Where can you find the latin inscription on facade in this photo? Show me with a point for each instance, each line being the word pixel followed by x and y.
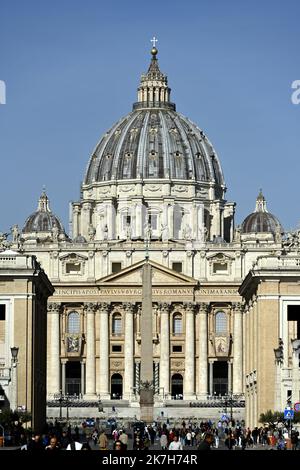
pixel 123 291
pixel 213 291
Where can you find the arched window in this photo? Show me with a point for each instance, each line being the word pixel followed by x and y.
pixel 73 322
pixel 221 322
pixel 117 324
pixel 177 324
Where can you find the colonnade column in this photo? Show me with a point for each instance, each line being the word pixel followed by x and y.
pixel 90 387
pixel 165 348
pixel 128 351
pixel 237 386
pixel 295 370
pixel 82 364
pixel 211 377
pixel 53 385
pixel 63 376
pixel 189 374
pixel 104 351
pixel 202 368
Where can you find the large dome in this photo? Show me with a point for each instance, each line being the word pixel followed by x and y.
pixel 154 141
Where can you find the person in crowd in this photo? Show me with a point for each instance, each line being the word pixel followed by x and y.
pixel 118 446
pixel 164 441
pixel 36 443
pixel 206 443
pixel 53 446
pixel 103 441
pixel 124 439
pixel 175 444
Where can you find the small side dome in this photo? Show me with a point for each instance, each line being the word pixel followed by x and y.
pixel 43 220
pixel 261 221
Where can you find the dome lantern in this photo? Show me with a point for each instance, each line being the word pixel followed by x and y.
pixel 153 91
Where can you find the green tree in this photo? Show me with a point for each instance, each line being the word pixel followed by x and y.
pixel 272 417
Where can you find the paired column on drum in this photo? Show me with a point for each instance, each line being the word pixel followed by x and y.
pixel 203 349
pixel 237 348
pixel 128 351
pixel 90 389
pixel 165 348
pixel 189 376
pixel 53 385
pixel 104 351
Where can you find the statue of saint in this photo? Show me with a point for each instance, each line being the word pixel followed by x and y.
pixel 238 234
pixel 105 232
pixel 278 237
pixel 187 232
pixel 15 233
pixel 55 232
pixel 148 232
pixel 164 232
pixel 91 232
pixel 3 241
pixel 128 231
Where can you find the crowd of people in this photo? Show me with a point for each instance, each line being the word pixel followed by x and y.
pixel 202 435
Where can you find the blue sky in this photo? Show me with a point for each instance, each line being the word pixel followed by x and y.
pixel 72 68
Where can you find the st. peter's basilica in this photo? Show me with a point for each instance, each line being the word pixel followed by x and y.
pixel 225 298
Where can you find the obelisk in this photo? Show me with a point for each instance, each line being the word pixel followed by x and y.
pixel 146 378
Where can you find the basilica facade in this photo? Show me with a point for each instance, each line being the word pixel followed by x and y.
pixel 154 189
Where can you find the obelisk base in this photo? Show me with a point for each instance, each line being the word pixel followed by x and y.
pixel 146 405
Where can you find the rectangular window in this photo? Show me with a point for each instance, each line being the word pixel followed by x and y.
pixel 116 348
pixel 177 267
pixel 2 323
pixel 126 220
pixel 73 268
pixel 116 267
pixel 177 348
pixel 219 268
pixel 2 312
pixel 153 221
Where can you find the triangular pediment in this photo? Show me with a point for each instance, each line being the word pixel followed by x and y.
pixel 161 276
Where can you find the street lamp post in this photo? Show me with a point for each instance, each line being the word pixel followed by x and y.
pixel 67 405
pixel 278 364
pixel 14 362
pixel 229 404
pixel 60 399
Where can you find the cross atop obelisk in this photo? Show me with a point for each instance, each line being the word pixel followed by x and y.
pixel 154 41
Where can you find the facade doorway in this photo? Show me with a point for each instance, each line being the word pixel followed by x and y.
pixel 294 316
pixel 177 387
pixel 73 378
pixel 116 389
pixel 220 378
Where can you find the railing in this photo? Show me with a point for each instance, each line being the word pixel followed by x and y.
pixel 274 262
pixel 154 104
pixel 219 402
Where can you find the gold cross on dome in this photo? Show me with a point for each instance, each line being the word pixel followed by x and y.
pixel 154 41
